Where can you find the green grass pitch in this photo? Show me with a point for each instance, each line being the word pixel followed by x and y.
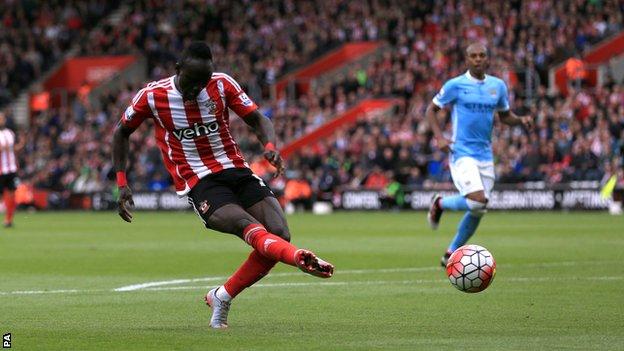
pixel 559 285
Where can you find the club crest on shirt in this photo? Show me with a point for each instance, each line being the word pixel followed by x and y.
pixel 203 207
pixel 492 92
pixel 211 106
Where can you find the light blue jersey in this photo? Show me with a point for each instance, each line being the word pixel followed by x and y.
pixel 474 103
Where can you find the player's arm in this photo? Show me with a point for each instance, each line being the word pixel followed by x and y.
pixel 431 115
pixel 243 106
pixel 506 115
pixel 264 130
pixel 445 96
pixel 510 118
pixel 131 119
pixel 121 149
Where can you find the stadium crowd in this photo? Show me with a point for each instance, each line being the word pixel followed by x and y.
pixel 577 137
pixel 258 41
pixel 34 35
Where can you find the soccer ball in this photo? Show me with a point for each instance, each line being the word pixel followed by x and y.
pixel 471 268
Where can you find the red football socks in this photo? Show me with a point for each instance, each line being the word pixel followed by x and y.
pixel 9 203
pixel 253 269
pixel 269 249
pixel 270 245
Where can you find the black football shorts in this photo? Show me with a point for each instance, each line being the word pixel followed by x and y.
pixel 230 186
pixel 8 181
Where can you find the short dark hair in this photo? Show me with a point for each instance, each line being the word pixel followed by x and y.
pixel 197 50
pixel 487 51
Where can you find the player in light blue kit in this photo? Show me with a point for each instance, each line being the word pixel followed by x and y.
pixel 474 97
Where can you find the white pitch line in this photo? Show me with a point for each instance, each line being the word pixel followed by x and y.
pixel 288 274
pixel 278 285
pixel 262 285
pixel 377 282
pixel 338 273
pixel 38 292
pixel 160 285
pixel 322 283
pixel 167 282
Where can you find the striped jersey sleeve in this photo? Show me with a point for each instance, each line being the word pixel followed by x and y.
pixel 138 111
pixel 236 98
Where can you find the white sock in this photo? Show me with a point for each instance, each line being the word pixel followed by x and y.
pixel 223 295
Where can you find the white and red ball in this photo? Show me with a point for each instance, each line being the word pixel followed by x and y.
pixel 471 268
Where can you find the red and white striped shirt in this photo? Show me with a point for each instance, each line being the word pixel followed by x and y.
pixel 8 164
pixel 193 136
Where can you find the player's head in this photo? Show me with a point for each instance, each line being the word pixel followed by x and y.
pixel 194 69
pixel 477 58
pixel 2 119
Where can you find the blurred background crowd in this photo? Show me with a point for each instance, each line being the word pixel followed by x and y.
pixel 577 137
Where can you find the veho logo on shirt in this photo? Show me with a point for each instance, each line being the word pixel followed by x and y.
pixel 197 130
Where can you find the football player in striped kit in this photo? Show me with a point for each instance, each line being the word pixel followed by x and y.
pixel 190 112
pixel 8 169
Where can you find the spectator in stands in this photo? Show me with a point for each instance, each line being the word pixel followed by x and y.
pixel 376 179
pixel 298 191
pixel 575 70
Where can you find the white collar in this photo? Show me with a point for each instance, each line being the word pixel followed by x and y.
pixel 474 79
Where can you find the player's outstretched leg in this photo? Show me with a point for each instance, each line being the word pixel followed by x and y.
pixel 228 219
pixel 234 219
pixel 269 248
pixel 276 248
pixel 269 212
pixel 256 266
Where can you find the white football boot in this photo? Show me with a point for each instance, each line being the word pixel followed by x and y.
pixel 220 309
